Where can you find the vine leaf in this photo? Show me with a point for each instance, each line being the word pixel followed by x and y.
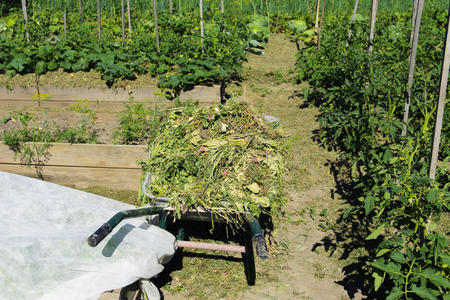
pixel 423 292
pixel 375 233
pixel 369 204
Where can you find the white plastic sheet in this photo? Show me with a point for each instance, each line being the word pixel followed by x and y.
pixel 43 248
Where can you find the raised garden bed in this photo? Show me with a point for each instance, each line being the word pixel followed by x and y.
pixel 84 165
pixel 102 99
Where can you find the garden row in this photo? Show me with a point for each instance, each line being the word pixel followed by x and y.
pixel 360 88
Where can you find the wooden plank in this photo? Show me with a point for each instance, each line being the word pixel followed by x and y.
pixel 87 155
pixel 115 178
pixel 145 94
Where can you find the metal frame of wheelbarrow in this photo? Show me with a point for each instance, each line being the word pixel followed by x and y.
pixel 251 230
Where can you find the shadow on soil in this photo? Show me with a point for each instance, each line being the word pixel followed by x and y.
pixel 350 231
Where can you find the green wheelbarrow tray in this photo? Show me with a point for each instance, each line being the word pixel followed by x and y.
pixel 250 230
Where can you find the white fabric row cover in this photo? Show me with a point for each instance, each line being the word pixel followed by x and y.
pixel 43 248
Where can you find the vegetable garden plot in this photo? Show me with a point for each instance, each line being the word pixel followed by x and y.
pixel 360 88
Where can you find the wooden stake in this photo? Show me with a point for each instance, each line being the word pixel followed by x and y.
pixel 156 25
pixel 373 19
pixel 202 34
pixel 80 4
pixel 413 21
pixel 65 21
pixel 316 26
pixel 222 6
pixel 99 18
pixel 412 65
pixel 25 16
pixel 129 17
pixel 320 25
pixel 170 6
pixel 352 20
pixel 441 103
pixel 123 19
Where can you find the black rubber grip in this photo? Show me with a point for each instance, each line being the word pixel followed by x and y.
pixel 261 246
pixel 99 235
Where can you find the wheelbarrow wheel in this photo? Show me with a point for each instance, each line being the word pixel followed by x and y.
pixel 130 292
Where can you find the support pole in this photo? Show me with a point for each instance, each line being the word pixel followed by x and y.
pixel 122 3
pixel 441 103
pixel 373 19
pixel 129 17
pixel 352 20
pixel 99 18
pixel 412 65
pixel 65 21
pixel 25 17
pixel 202 34
pixel 80 4
pixel 316 26
pixel 156 25
pixel 321 23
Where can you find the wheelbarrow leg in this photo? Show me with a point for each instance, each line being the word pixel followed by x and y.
pixel 163 220
pixel 248 257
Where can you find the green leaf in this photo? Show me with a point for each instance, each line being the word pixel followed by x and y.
pixel 378 280
pixel 382 252
pixel 41 68
pixel 433 195
pixel 395 294
pixel 375 233
pixel 445 258
pixel 398 257
pixel 423 292
pixel 369 204
pixel 437 279
pixel 18 63
pixel 390 267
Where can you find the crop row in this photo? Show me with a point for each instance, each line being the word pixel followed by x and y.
pixel 182 59
pixel 395 206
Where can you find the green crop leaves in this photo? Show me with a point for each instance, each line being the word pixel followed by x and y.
pixel 361 97
pixel 179 66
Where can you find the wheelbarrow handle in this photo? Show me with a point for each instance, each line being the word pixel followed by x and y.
pixel 100 234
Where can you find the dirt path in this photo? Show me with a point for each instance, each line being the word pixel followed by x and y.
pixel 303 265
pixel 303 268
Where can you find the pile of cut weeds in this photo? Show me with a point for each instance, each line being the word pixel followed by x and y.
pixel 224 159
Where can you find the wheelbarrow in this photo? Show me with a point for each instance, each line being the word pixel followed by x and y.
pixel 250 230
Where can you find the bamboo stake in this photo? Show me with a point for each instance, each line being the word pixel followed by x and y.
pixel 441 103
pixel 202 34
pixel 320 25
pixel 25 16
pixel 316 26
pixel 170 7
pixel 129 17
pixel 156 25
pixel 122 3
pixel 65 21
pixel 222 6
pixel 413 20
pixel 373 19
pixel 80 4
pixel 412 65
pixel 99 18
pixel 352 20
